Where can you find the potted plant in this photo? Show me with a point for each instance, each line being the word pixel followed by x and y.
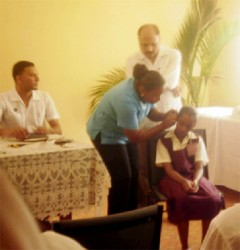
pixel 201 38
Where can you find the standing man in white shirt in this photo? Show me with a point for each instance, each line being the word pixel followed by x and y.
pixel 166 61
pixel 25 109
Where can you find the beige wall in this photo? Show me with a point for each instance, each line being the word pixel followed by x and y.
pixel 227 92
pixel 74 42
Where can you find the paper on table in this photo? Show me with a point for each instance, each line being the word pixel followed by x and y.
pixel 36 137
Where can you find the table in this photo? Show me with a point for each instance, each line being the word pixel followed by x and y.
pixel 57 180
pixel 223 145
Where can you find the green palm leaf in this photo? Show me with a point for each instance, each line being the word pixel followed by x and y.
pixel 213 43
pixel 201 15
pixel 107 81
pixel 201 38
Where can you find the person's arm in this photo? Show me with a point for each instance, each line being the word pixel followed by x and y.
pixel 19 229
pixel 197 176
pixel 163 159
pixel 176 91
pixel 54 128
pixel 201 159
pixel 52 116
pixel 136 136
pixel 168 120
pixel 172 72
pixel 18 133
pixel 173 174
pixel 156 116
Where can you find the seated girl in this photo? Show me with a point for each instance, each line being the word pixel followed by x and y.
pixel 190 195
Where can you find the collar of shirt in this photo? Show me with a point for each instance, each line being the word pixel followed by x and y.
pixel 16 97
pixel 162 52
pixel 176 143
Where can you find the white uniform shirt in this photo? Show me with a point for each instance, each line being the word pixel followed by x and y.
pixel 163 156
pixel 168 64
pixel 224 230
pixel 14 113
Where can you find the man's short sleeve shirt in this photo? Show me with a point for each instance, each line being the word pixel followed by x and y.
pixel 168 64
pixel 14 113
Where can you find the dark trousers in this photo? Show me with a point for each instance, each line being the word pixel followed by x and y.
pixel 121 161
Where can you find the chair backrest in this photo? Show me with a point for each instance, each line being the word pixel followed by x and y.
pixel 154 172
pixel 202 132
pixel 136 229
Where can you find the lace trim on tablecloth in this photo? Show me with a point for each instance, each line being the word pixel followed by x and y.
pixel 56 183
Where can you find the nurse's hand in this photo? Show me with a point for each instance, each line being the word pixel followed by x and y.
pixel 170 119
pixel 176 91
pixel 171 113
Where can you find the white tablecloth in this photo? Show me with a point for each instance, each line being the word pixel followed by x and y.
pixel 223 145
pixel 56 180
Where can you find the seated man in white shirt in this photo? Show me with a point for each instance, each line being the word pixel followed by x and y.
pixel 224 230
pixel 26 109
pixel 167 61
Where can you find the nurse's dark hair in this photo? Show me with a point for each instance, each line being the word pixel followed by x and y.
pixel 19 67
pixel 187 110
pixel 149 79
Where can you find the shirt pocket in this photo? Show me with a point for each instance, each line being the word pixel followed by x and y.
pixel 13 118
